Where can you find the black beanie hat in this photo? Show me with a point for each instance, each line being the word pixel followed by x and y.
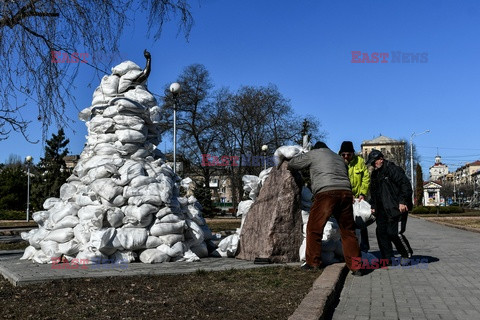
pixel 319 145
pixel 347 146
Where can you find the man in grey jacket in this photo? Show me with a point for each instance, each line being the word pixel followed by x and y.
pixel 332 196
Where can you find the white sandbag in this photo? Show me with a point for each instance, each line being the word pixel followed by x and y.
pixel 105 149
pixel 123 257
pixel 186 183
pixel 109 85
pixel 40 217
pixel 28 253
pixel 82 167
pixel 124 67
pixel 130 221
pixel 102 240
pixel 104 171
pixel 305 215
pixel 66 209
pixel 130 136
pixel 50 248
pixel 27 235
pixel 286 153
pixel 114 217
pixel 116 202
pixel 162 229
pixel 229 245
pixel 81 234
pixel 155 114
pixel 37 236
pixel 171 218
pixel 69 248
pixel 60 235
pixel 302 249
pixel 194 233
pixel 94 139
pixel 200 250
pixel 331 230
pixel 140 154
pixel 67 191
pixel 264 175
pixel 50 203
pixel 90 255
pixel 106 188
pixel 141 181
pixel 153 242
pixel 100 125
pixel 141 212
pixel 90 212
pixel 188 256
pixel 243 207
pixel 177 250
pixel 141 95
pixel 67 222
pixel 171 239
pixel 40 257
pixel 84 200
pixel 362 213
pixel 154 256
pixel 132 122
pixel 127 79
pixel 131 238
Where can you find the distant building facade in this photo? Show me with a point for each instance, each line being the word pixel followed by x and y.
pixel 438 170
pixel 393 150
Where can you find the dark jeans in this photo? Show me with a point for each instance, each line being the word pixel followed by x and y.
pixel 388 232
pixel 339 204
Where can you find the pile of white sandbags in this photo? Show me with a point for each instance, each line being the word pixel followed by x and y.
pixel 122 200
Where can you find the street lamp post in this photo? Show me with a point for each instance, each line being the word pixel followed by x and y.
pixel 175 90
pixel 411 160
pixel 28 160
pixel 264 149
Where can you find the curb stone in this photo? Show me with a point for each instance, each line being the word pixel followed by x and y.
pixel 317 303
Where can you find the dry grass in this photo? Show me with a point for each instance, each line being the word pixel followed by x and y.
pixel 470 222
pixel 224 224
pixel 265 293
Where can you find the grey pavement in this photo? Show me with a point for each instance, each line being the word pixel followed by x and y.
pixel 447 287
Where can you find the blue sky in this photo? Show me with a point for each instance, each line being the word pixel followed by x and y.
pixel 306 50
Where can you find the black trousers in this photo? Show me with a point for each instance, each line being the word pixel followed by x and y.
pixel 390 230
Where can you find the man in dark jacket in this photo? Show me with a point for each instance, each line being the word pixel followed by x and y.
pixel 391 194
pixel 333 196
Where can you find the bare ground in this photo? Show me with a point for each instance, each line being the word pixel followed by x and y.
pixel 265 293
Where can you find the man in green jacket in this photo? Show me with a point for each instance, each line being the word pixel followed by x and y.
pixel 360 181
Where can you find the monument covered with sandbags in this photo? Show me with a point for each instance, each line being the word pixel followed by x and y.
pixel 122 201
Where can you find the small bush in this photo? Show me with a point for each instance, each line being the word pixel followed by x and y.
pixel 433 210
pixel 13 215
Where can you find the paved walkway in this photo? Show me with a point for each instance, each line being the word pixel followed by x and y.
pixel 447 287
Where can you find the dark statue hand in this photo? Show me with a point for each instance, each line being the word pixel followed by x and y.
pixel 146 54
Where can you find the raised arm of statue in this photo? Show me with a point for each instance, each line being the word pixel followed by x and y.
pixel 146 72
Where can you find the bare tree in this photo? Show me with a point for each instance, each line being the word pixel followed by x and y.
pixel 34 32
pixel 197 117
